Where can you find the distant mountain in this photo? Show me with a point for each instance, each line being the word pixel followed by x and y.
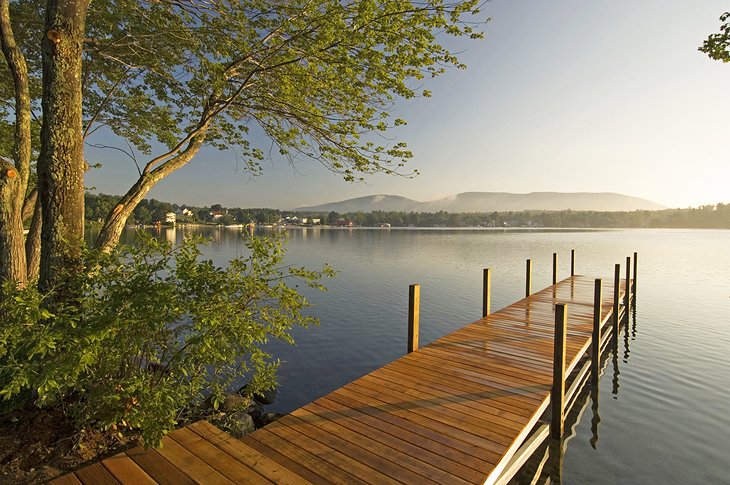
pixel 387 203
pixel 493 202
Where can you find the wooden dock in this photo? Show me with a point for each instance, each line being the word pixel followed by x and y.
pixel 468 408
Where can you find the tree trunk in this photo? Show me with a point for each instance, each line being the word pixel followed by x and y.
pixel 33 243
pixel 12 250
pixel 14 176
pixel 29 205
pixel 61 163
pixel 111 231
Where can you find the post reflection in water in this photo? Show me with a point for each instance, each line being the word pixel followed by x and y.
pixel 555 461
pixel 595 419
pixel 633 320
pixel 627 350
pixel 616 371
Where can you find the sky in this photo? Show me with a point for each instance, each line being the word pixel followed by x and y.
pixel 561 95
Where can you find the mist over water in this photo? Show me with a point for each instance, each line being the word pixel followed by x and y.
pixel 663 402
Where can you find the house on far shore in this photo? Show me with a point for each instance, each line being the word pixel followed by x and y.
pixel 215 215
pixel 170 218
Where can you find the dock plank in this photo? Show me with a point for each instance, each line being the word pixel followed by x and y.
pixel 157 467
pixel 68 479
pixel 263 464
pixel 308 453
pixel 393 456
pixel 192 466
pixel 96 474
pixel 411 443
pixel 125 470
pixel 228 466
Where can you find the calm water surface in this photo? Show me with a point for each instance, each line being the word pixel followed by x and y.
pixel 664 406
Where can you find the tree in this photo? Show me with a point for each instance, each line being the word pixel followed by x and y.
pixel 717 46
pixel 204 215
pixel 318 77
pixel 126 336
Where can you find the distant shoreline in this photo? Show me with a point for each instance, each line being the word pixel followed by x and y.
pixel 715 216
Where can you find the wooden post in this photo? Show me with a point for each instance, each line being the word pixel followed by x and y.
pixel 528 278
pixel 414 303
pixel 616 290
pixel 596 337
pixel 555 268
pixel 572 262
pixel 557 395
pixel 627 294
pixel 487 295
pixel 634 292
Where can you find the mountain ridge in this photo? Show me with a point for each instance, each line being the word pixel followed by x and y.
pixel 492 202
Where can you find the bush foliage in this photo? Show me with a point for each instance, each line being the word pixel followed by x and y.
pixel 155 330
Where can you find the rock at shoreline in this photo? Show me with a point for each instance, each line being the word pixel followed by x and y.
pixel 265 397
pixel 268 418
pixel 240 424
pixel 236 402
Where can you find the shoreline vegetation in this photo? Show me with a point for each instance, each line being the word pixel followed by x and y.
pixel 152 212
pixel 160 337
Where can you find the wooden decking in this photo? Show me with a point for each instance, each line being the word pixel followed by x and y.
pixel 455 411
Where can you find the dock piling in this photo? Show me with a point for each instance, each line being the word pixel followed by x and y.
pixel 487 293
pixel 572 262
pixel 596 337
pixel 616 290
pixel 414 303
pixel 557 394
pixel 555 268
pixel 528 278
pixel 634 285
pixel 627 292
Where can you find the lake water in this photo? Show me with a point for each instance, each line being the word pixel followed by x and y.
pixel 664 406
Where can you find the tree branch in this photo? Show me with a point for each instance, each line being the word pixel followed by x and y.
pixel 117 218
pixel 19 70
pixel 105 101
pixel 29 204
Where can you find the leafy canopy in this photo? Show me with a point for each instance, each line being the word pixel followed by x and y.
pixel 717 46
pixel 319 77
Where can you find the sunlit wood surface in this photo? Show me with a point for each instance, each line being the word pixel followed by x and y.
pixel 452 412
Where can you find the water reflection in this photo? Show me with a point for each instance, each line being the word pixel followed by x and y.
pixel 614 363
pixel 633 320
pixel 596 418
pixel 627 350
pixel 546 465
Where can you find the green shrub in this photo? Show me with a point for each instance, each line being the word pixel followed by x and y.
pixel 153 330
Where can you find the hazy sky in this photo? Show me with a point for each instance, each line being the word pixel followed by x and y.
pixel 561 95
